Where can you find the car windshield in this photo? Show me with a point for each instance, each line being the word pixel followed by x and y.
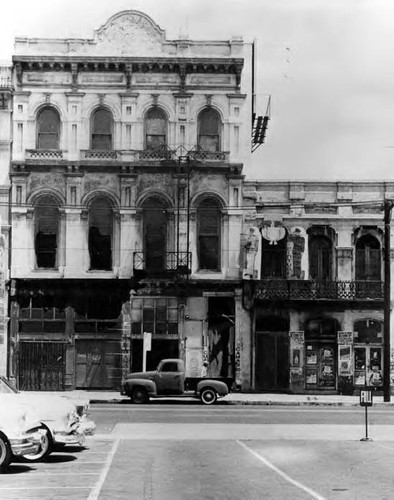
pixel 6 387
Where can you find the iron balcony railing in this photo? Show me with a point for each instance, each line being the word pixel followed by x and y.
pixel 317 290
pixel 167 262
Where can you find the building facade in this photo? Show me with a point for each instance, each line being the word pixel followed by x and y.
pixel 317 302
pixel 126 177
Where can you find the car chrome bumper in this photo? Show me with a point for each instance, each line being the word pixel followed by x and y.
pixel 74 437
pixel 27 444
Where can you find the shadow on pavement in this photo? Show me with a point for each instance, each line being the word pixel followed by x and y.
pixel 18 469
pixel 58 458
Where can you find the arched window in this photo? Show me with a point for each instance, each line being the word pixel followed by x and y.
pixel 208 234
pixel 46 214
pixel 209 130
pixel 102 129
pixel 320 257
pixel 100 234
pixel 155 234
pixel 48 129
pixel 155 129
pixel 368 258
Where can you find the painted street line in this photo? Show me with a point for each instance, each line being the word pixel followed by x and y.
pixel 94 494
pixel 282 474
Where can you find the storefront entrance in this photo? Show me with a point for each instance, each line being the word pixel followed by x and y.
pixel 321 354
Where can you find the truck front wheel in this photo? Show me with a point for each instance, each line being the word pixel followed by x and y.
pixel 208 396
pixel 139 396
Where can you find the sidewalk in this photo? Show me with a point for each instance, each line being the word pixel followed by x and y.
pixel 234 398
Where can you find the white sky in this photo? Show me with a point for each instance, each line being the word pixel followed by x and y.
pixel 332 92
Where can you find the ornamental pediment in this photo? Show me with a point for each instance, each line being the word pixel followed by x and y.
pixel 129 33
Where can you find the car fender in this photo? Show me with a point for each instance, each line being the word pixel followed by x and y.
pixel 219 386
pixel 149 385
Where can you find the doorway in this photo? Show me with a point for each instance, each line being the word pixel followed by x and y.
pixel 272 361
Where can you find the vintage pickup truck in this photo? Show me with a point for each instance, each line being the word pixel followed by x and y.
pixel 169 380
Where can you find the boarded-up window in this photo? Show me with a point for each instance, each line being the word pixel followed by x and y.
pixel 100 234
pixel 155 234
pixel 320 258
pixel 155 129
pixel 46 231
pixel 209 127
pixel 368 258
pixel 273 259
pixel 48 129
pixel 102 129
pixel 208 227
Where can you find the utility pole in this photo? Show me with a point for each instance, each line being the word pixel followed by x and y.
pixel 388 206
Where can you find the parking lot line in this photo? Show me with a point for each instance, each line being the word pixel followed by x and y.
pixel 285 476
pixel 94 494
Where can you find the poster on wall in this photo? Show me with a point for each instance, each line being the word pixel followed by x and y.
pixel 345 360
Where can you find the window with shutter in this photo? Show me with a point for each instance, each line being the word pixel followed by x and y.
pixel 102 129
pixel 46 232
pixel 368 258
pixel 100 234
pixel 209 226
pixel 155 129
pixel 320 258
pixel 48 129
pixel 209 128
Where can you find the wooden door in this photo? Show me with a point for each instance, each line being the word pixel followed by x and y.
pixel 272 361
pixel 97 364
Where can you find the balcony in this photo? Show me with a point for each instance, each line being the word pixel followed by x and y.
pixel 318 290
pixel 45 154
pixel 160 154
pixel 162 264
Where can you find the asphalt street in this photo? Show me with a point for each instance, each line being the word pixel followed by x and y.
pixel 171 452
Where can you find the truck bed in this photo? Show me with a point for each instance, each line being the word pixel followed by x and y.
pixel 191 382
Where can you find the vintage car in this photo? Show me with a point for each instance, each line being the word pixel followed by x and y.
pixel 65 421
pixel 20 434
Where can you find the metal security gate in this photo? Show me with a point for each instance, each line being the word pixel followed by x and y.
pixel 41 366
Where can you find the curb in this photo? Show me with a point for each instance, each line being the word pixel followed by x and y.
pixel 258 403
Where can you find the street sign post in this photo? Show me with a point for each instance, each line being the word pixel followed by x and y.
pixel 366 400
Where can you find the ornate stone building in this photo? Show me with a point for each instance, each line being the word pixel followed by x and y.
pixel 126 204
pixel 316 303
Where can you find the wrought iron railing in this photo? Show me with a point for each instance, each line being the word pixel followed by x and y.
pixel 316 290
pixel 45 154
pixel 176 262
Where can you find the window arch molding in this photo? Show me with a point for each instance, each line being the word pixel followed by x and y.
pixel 199 197
pixel 155 193
pixel 112 197
pixel 210 129
pixel 48 119
pixel 102 130
pixel 156 127
pixel 33 198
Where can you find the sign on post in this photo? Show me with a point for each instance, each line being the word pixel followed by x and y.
pixel 366 397
pixel 147 347
pixel 366 400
